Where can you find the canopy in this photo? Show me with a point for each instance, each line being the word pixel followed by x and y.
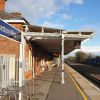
pixel 52 41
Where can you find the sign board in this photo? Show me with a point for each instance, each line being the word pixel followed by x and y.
pixel 9 31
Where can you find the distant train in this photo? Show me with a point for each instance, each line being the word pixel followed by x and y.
pixel 92 61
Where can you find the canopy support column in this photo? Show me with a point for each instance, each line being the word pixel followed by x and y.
pixel 21 63
pixel 62 54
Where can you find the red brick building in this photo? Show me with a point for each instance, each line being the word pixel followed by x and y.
pixel 35 55
pixel 38 54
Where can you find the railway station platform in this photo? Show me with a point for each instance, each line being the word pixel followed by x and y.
pixel 48 86
pixel 88 90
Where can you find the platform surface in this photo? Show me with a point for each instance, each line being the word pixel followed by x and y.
pixel 48 86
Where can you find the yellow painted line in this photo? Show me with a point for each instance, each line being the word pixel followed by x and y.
pixel 77 86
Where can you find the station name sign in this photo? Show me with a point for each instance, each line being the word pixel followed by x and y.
pixel 9 31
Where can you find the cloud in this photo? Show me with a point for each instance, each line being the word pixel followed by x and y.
pixel 96 35
pixel 33 10
pixel 93 27
pixel 52 25
pixel 94 50
pixel 90 48
pixel 73 1
pixel 65 16
pixel 86 40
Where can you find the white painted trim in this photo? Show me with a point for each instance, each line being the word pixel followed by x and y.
pixel 13 21
pixel 10 38
pixel 62 62
pixel 39 35
pixel 66 31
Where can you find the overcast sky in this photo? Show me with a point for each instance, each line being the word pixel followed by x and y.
pixel 65 14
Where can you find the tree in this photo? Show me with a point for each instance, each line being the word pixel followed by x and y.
pixel 80 56
pixel 70 59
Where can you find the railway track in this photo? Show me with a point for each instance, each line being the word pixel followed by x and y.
pixel 94 80
pixel 90 77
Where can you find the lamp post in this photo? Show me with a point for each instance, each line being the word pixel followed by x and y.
pixel 62 59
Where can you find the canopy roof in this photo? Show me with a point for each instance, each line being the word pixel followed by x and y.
pixel 50 38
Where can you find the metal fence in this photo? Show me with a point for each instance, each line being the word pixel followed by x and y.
pixel 7 69
pixel 11 92
pixel 9 76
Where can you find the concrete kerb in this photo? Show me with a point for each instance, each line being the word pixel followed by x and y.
pixel 85 96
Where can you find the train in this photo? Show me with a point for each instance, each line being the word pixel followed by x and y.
pixel 95 61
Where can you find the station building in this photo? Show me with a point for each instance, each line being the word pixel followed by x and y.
pixel 10 48
pixel 41 45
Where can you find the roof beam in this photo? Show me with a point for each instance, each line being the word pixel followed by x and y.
pixel 69 35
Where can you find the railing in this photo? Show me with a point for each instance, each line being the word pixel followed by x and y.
pixel 9 86
pixel 11 92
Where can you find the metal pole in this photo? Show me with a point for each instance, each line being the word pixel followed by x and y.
pixel 21 69
pixel 62 54
pixel 33 66
pixel 23 57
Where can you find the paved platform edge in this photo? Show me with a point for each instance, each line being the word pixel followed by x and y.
pixel 88 90
pixel 81 91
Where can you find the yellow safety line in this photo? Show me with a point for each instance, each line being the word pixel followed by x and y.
pixel 78 88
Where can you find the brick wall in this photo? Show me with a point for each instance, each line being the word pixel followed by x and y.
pixel 19 26
pixel 42 59
pixel 28 75
pixel 8 46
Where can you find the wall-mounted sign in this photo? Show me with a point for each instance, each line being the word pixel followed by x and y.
pixel 9 31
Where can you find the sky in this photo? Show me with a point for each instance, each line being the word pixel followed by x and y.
pixel 63 14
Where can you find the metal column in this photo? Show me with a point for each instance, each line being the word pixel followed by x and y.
pixel 21 68
pixel 62 57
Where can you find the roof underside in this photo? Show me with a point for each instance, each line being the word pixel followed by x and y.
pixel 52 41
